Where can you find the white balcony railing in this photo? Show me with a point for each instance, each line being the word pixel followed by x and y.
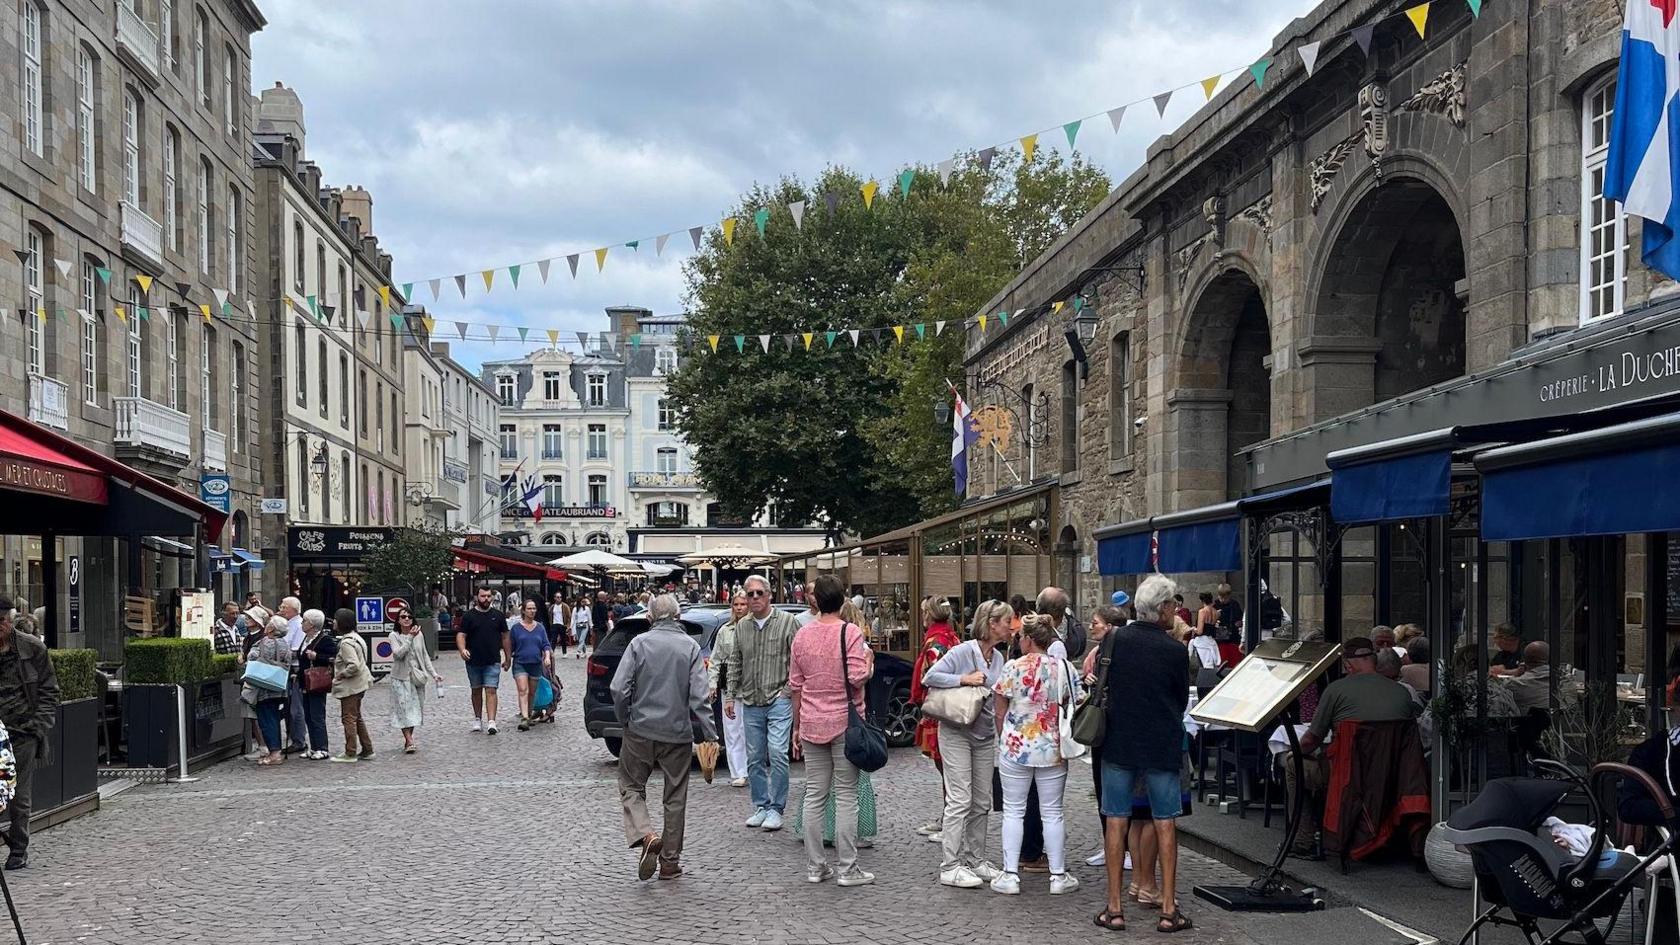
pixel 215 450
pixel 141 234
pixel 49 402
pixel 142 424
pixel 138 43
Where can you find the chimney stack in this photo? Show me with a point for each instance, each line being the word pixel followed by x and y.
pixel 281 111
pixel 356 203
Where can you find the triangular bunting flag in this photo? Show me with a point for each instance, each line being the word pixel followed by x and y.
pixel 493 330
pixel 830 335
pixel 1208 85
pixel 251 307
pixel 1029 146
pixel 985 157
pixel 713 341
pixel 797 209
pixel 1362 36
pixel 764 342
pixel 1114 116
pixel 659 244
pixel 63 267
pixel 524 333
pixel 122 313
pixel 601 258
pixel 728 227
pixel 362 317
pixel 221 299
pixel 921 329
pixel 635 245
pixel 740 344
pixel 868 191
pixel 1072 129
pixel 103 274
pixel 938 329
pixel 1475 8
pixel 831 199
pixel 1161 103
pixel 434 284
pixel 408 291
pixel 1309 56
pixel 694 235
pixel 788 340
pixel 554 338
pixel 1258 71
pixel 396 320
pixel 1419 15
pixel 898 332
pixel 40 313
pixel 635 339
pixel 905 178
pixel 808 336
pixel 854 333
pixel 1003 319
pixel 429 322
pixel 572 261
pixel 1056 307
pixel 761 219
pixel 385 295
pixel 1078 303
pixel 461 285
pixel 203 308
pixel 461 329
pixel 489 276
pixel 542 270
pixel 145 283
pixel 982 324
pixel 513 275
pixel 314 308
pixel 583 340
pixel 609 341
pixel 945 168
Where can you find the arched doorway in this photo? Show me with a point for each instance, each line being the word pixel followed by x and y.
pixel 1225 373
pixel 1394 279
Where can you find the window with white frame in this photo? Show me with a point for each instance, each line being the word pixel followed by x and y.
pixel 509 436
pixel 379 414
pixel 236 393
pixel 1119 396
pixel 667 415
pixel 131 147
pixel 551 441
pixel 597 490
pixel 201 56
pixel 34 286
pixel 230 102
pixel 551 385
pixel 361 404
pixel 172 359
pixel 88 148
pixel 597 441
pixel 553 492
pixel 90 287
pixel 1604 231
pixel 666 458
pixel 297 254
pixel 300 343
pixel 207 379
pixel 344 390
pixel 233 259
pixel 597 387
pixel 664 359
pixel 505 389
pixel 135 361
pixel 172 188
pixel 33 91
pixel 323 377
pixel 166 35
pixel 90 334
pixel 204 254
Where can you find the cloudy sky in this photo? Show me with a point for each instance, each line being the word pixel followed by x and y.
pixel 499 132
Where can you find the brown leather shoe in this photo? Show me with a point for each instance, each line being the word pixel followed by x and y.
pixel 670 870
pixel 1040 865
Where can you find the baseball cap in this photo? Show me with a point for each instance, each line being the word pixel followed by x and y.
pixel 1356 647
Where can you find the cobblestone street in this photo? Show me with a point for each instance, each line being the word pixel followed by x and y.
pixel 515 838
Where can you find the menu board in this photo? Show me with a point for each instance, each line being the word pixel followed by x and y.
pixel 1253 694
pixel 198 610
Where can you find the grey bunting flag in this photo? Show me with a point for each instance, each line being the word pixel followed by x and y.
pixel 764 342
pixel 832 201
pixel 1309 56
pixel 251 307
pixel 461 284
pixel 435 283
pixel 462 328
pixel 1362 36
pixel 572 261
pixel 985 157
pixel 1114 116
pixel 492 329
pixel 938 329
pixel 945 168
pixel 362 316
pixel 583 340
pixel 788 340
pixel 694 234
pixel 659 244
pixel 607 341
pixel 854 333
pixel 797 208
pixel 64 268
pixel 1161 103
pixel 542 270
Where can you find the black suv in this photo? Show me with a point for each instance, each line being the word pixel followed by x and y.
pixel 600 719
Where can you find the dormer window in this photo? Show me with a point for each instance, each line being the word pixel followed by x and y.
pixel 505 388
pixel 597 387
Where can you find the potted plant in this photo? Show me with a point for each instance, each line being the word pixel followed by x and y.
pixel 152 669
pixel 70 773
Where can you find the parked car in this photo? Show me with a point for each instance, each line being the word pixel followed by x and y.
pixel 600 719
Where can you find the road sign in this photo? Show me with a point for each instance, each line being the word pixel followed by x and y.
pixel 381 656
pixel 370 610
pixel 216 491
pixel 396 603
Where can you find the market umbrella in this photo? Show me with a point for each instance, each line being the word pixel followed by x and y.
pixel 727 556
pixel 595 559
pixel 656 570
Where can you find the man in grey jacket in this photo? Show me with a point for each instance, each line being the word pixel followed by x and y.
pixel 659 693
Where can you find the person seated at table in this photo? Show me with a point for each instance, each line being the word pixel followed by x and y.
pixel 1382 638
pixel 1531 685
pixel 1506 658
pixel 1414 668
pixel 1361 695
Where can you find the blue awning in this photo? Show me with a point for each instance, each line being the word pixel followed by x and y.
pixel 250 561
pixel 1616 481
pixel 1124 554
pixel 1214 545
pixel 1417 485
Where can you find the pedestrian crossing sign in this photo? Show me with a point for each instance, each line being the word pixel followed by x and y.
pixel 370 610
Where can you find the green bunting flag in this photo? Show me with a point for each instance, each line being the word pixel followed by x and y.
pixel 408 289
pixel 104 275
pixel 1072 129
pixel 145 313
pixel 1003 317
pixel 634 245
pixel 921 329
pixel 1078 303
pixel 396 320
pixel 635 339
pixel 740 343
pixel 905 179
pixel 830 336
pixel 513 274
pixel 314 309
pixel 523 332
pixel 761 217
pixel 1258 70
pixel 1475 8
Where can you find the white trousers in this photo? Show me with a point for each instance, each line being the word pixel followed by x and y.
pixel 735 743
pixel 1017 782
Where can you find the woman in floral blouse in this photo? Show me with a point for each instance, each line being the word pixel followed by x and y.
pixel 1033 691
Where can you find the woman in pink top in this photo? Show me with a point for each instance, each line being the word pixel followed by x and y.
pixel 821 685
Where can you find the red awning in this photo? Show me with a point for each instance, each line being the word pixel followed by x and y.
pixel 480 561
pixel 29 465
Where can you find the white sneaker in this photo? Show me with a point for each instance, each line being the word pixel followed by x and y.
pixel 938 836
pixel 757 819
pixel 772 821
pixel 1127 864
pixel 856 877
pixel 819 874
pixel 930 828
pixel 1099 858
pixel 490 727
pixel 738 782
pixel 985 871
pixel 1007 884
pixel 962 878
pixel 477 726
pixel 1063 883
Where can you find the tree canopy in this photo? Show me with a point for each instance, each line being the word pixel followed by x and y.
pixel 835 434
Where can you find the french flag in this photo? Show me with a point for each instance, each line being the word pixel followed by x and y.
pixel 533 498
pixel 1642 173
pixel 963 436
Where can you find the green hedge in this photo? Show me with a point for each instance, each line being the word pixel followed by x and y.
pixel 75 672
pixel 223 665
pixel 168 660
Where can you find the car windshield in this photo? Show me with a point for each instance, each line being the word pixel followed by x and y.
pixel 624 630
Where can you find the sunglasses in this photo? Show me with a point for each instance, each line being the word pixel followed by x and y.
pixel 757 593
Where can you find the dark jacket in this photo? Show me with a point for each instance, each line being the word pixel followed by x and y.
pixel 1656 757
pixel 325 647
pixel 37 705
pixel 1379 787
pixel 1146 698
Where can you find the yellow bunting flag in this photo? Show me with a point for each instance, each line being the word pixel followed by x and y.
pixel 1209 84
pixel 713 340
pixel 385 295
pixel 868 191
pixel 205 308
pixel 554 337
pixel 145 284
pixel 41 314
pixel 982 324
pixel 1056 307
pixel 729 231
pixel 1029 146
pixel 601 259
pixel 429 322
pixel 122 313
pixel 898 330
pixel 808 336
pixel 489 277
pixel 1419 15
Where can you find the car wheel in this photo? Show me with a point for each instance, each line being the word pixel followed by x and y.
pixel 900 723
pixel 614 745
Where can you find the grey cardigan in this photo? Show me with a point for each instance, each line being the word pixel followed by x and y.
pixel 410 660
pixel 959 661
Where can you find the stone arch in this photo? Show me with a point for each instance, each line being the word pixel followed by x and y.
pixel 1388 291
pixel 1221 400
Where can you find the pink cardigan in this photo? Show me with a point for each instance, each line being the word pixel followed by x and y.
pixel 814 675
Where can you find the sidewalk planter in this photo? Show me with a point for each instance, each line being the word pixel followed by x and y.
pixel 69 778
pixel 151 717
pixel 1449 866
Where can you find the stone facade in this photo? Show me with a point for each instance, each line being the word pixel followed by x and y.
pixel 127 150
pixel 1388 224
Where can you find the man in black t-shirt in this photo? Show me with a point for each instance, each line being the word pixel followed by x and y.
pixel 598 614
pixel 482 638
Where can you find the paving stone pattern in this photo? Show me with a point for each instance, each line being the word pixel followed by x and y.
pixel 516 838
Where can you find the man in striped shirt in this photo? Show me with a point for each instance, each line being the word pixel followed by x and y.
pixel 757 686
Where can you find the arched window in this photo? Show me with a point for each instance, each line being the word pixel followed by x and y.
pixel 172 358
pixel 303 475
pixel 300 343
pixel 344 488
pixel 1119 397
pixel 230 100
pixel 90 333
pixel 172 187
pixel 87 69
pixel 324 373
pixel 235 260
pixel 599 540
pixel 1069 431
pixel 236 397
pixel 297 255
pixel 134 133
pixel 34 287
pixel 205 255
pixel 201 56
pixel 1604 231
pixel 34 91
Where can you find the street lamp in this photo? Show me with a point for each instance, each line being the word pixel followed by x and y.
pixel 318 464
pixel 419 493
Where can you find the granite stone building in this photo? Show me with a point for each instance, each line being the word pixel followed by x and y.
pixel 126 213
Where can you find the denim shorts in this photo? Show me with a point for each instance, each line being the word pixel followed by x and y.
pixel 527 669
pixel 1161 787
pixel 484 677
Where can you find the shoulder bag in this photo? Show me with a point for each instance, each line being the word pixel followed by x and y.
pixel 866 744
pixel 1090 718
pixel 1070 746
pixel 314 680
pixel 267 676
pixel 959 705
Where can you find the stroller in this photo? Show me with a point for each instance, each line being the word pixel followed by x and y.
pixel 1527 879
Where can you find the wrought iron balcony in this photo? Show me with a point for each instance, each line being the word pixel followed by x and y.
pixel 142 236
pixel 138 44
pixel 153 430
pixel 49 402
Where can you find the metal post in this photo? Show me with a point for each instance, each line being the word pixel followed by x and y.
pixel 181 734
pixel 49 578
pixel 1656 630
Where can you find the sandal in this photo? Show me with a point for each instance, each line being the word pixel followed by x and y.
pixel 1173 922
pixel 1147 899
pixel 1112 921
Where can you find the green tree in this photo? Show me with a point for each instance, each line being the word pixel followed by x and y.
pixel 845 436
pixel 414 559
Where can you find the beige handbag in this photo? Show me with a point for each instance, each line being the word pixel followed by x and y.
pixel 959 705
